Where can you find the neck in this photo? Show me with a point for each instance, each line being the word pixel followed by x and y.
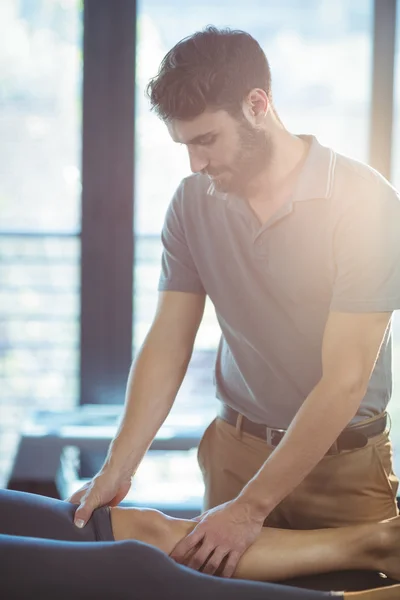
pixel 288 156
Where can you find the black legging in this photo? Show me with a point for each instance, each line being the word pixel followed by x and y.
pixel 43 555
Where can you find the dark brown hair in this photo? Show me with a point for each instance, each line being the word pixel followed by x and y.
pixel 213 68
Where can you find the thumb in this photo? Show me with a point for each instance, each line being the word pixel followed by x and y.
pixel 200 517
pixel 84 511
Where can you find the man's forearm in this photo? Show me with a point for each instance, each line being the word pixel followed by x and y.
pixel 319 421
pixel 154 380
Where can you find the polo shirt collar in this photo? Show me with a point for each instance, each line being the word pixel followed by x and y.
pixel 315 179
pixel 317 175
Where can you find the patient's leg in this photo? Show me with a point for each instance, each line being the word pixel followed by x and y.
pixel 32 515
pixel 275 555
pixel 100 570
pixel 36 568
pixel 280 554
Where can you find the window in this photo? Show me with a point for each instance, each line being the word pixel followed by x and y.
pixel 317 89
pixel 40 138
pixel 321 59
pixel 394 406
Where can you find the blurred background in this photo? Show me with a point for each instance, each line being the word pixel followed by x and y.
pixel 86 175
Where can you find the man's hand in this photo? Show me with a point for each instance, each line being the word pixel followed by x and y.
pixel 106 488
pixel 222 536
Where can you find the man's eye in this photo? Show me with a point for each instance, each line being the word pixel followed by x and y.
pixel 208 141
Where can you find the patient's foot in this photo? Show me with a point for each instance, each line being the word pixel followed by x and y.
pixel 386 550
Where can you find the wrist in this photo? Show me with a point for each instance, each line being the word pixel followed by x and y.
pixel 117 467
pixel 122 458
pixel 259 503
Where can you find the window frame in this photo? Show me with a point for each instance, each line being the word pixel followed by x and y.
pixel 107 248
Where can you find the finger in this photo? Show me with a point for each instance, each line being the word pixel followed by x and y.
pixel 85 510
pixel 201 556
pixel 214 561
pixel 200 517
pixel 186 545
pixel 189 555
pixel 231 564
pixel 75 498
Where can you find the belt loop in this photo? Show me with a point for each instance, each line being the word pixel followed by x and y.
pixel 390 423
pixel 239 426
pixel 334 449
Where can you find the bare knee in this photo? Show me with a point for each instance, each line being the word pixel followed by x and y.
pixel 145 525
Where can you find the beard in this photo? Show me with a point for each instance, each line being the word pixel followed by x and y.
pixel 253 157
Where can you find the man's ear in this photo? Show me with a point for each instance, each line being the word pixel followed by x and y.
pixel 255 106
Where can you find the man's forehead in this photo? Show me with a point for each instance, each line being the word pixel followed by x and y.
pixel 184 131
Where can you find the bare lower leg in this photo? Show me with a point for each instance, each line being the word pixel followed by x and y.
pixel 280 554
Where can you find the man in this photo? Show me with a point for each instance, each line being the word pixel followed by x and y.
pixel 298 248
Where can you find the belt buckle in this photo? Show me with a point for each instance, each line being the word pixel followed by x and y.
pixel 270 434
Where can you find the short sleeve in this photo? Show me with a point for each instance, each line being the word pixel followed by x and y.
pixel 367 254
pixel 178 270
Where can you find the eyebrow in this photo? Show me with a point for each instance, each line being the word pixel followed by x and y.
pixel 199 138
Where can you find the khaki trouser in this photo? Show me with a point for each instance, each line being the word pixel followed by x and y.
pixel 356 486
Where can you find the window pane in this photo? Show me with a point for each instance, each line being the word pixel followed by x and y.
pixel 315 86
pixel 396 113
pixel 395 402
pixel 40 140
pixel 40 72
pixel 39 321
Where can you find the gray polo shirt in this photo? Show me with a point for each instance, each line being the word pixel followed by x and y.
pixel 334 246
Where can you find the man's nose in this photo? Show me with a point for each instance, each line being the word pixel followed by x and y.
pixel 198 160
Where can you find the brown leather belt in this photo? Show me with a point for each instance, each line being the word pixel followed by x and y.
pixel 351 438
